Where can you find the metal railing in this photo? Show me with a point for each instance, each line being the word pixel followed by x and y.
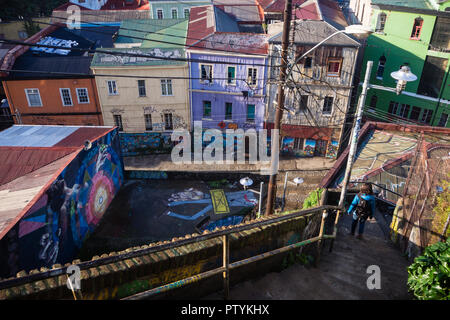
pixel 227 266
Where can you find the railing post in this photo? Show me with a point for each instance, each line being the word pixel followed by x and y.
pixel 319 242
pixel 335 229
pixel 226 262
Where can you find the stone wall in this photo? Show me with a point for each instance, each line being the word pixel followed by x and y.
pixel 130 276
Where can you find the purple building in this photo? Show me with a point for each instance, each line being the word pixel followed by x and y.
pixel 228 92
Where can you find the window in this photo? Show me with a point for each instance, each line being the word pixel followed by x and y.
pixel 415 113
pixel 168 124
pixel 186 12
pixel 251 113
pixel 373 102
pixel 443 120
pixel 33 97
pixel 206 72
pixel 118 121
pixel 141 88
pixel 174 13
pixel 327 105
pixel 440 40
pixel 381 22
pixel 166 87
pixel 298 143
pixel 393 107
pixel 112 87
pixel 66 97
pixel 159 14
pixel 23 34
pixel 380 69
pixel 206 109
pixel 228 111
pixel 231 75
pixel 82 95
pixel 251 76
pixel 426 116
pixel 432 77
pixel 334 67
pixel 403 110
pixel 303 102
pixel 308 62
pixel 148 122
pixel 417 28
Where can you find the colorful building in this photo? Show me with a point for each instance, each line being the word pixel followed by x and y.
pixel 414 33
pixel 174 9
pixel 227 71
pixel 56 183
pixel 51 85
pixel 318 96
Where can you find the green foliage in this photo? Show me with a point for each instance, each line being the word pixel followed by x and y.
pixel 293 258
pixel 313 199
pixel 429 275
pixel 442 209
pixel 13 9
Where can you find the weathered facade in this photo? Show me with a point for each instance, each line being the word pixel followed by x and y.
pixel 318 96
pixel 228 92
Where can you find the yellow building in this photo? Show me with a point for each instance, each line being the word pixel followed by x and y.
pixel 142 94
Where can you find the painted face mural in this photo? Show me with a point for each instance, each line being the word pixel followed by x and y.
pixel 55 227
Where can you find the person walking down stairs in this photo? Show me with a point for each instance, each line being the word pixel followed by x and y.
pixel 363 207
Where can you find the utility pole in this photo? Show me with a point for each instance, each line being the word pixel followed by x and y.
pixel 271 191
pixel 354 140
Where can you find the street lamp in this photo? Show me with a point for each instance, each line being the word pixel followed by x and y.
pixel 246 182
pixel 403 76
pixel 298 181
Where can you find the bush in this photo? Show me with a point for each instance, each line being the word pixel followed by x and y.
pixel 429 275
pixel 313 199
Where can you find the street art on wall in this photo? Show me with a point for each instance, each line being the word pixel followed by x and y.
pixel 134 144
pixel 332 149
pixel 310 146
pixel 54 228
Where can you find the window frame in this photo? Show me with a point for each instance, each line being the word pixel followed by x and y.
pixel 184 12
pixel 417 30
pixel 211 73
pixel 334 60
pixel 233 83
pixel 209 117
pixel 62 97
pixel 165 83
pixel 413 111
pixel 165 121
pixel 146 122
pixel 115 87
pixel 78 95
pixel 440 119
pixel 381 24
pixel 228 116
pixel 140 87
pixel 171 13
pixel 162 13
pixel 120 125
pixel 323 106
pixel 254 82
pixel 377 76
pixel 38 94
pixel 247 119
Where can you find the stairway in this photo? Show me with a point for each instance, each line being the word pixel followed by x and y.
pixel 341 274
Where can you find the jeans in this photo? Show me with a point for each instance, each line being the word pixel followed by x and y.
pixel 361 225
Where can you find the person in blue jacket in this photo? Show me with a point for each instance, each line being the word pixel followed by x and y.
pixel 365 212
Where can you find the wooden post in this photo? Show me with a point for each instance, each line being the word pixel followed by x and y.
pixel 226 261
pixel 319 243
pixel 335 229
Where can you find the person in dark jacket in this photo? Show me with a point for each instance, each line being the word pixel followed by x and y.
pixel 365 193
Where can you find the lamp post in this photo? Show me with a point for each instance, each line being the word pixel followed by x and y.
pixel 246 182
pixel 403 76
pixel 352 29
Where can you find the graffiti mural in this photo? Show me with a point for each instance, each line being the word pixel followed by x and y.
pixel 134 144
pixel 54 228
pixel 332 149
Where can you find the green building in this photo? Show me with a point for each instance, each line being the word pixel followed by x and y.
pixel 416 33
pixel 174 9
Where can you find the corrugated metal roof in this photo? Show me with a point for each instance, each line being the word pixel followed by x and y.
pixel 174 35
pixel 112 60
pixel 34 136
pixel 79 136
pixel 417 4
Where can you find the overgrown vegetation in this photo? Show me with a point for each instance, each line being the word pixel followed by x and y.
pixel 313 199
pixel 429 275
pixel 442 210
pixel 295 257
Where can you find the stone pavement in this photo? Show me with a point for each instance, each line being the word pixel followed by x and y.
pixel 341 274
pixel 163 162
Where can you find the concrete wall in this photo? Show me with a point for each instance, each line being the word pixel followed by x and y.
pixel 54 228
pixel 134 275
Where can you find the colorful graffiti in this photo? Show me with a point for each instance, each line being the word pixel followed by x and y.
pixel 138 174
pixel 288 148
pixel 134 144
pixel 310 146
pixel 53 230
pixel 332 149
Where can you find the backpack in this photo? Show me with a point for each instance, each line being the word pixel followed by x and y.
pixel 363 209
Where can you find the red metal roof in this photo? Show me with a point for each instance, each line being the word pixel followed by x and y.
pixel 18 161
pixel 79 136
pixel 201 24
